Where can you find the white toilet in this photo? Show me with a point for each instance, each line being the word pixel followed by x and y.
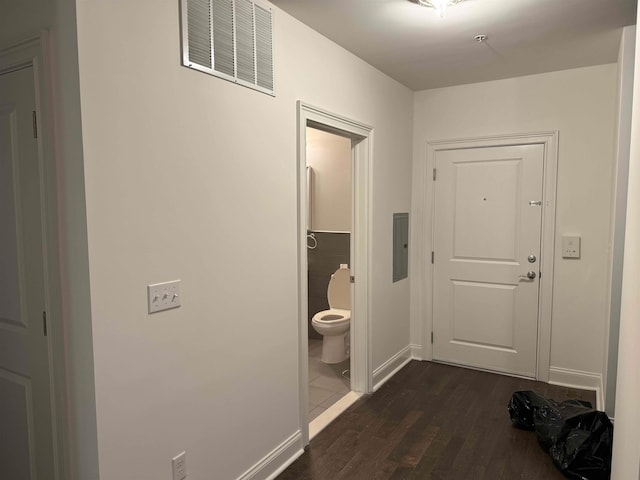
pixel 333 324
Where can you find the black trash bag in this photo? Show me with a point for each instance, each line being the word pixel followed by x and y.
pixel 553 420
pixel 584 451
pixel 522 407
pixel 577 437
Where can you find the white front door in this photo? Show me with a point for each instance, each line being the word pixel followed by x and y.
pixel 487 225
pixel 26 437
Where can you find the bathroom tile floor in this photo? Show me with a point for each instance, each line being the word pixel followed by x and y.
pixel 326 383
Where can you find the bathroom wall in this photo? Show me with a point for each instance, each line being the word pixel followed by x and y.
pixel 329 156
pixel 331 251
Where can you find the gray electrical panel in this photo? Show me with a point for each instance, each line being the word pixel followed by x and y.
pixel 400 246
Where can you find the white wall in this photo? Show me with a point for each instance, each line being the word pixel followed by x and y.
pixel 329 156
pixel 619 206
pixel 192 177
pixel 626 439
pixel 580 104
pixel 22 19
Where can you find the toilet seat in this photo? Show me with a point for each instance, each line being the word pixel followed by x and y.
pixel 339 316
pixel 339 297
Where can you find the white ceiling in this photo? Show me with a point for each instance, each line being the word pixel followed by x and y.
pixel 419 49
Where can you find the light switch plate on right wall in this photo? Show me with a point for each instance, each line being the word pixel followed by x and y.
pixel 570 246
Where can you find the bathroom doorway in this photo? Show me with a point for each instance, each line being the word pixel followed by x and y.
pixel 334 157
pixel 329 219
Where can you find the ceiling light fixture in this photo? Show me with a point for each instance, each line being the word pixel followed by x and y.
pixel 439 5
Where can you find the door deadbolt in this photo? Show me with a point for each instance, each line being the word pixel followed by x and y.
pixel 532 258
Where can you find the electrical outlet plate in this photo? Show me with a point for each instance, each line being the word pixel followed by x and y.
pixel 163 296
pixel 179 466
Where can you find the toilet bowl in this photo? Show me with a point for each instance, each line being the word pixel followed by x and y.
pixel 333 324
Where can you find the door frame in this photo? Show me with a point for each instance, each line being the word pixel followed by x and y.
pixel 362 160
pixel 424 303
pixel 34 52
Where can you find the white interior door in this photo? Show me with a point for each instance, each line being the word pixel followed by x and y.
pixel 487 225
pixel 26 440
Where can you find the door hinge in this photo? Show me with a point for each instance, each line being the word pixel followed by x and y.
pixel 434 174
pixel 35 124
pixel 44 323
pixel 433 257
pixel 539 275
pixel 431 338
pixel 352 279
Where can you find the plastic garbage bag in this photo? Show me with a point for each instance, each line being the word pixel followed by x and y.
pixel 584 452
pixel 578 438
pixel 522 406
pixel 552 420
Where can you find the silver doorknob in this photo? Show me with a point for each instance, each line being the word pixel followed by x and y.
pixel 530 275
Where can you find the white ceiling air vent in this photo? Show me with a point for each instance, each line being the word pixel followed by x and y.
pixel 231 39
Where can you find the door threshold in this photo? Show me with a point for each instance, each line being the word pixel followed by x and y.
pixel 488 370
pixel 331 413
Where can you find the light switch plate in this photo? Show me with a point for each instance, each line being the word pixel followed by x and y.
pixel 179 466
pixel 570 246
pixel 163 296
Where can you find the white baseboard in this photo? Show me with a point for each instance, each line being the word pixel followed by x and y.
pixel 416 352
pixel 275 462
pixel 577 379
pixel 389 368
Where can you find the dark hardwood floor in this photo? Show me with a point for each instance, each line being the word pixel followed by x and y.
pixel 432 421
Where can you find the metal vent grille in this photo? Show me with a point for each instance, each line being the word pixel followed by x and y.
pixel 264 48
pixel 199 24
pixel 232 39
pixel 244 35
pixel 223 43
